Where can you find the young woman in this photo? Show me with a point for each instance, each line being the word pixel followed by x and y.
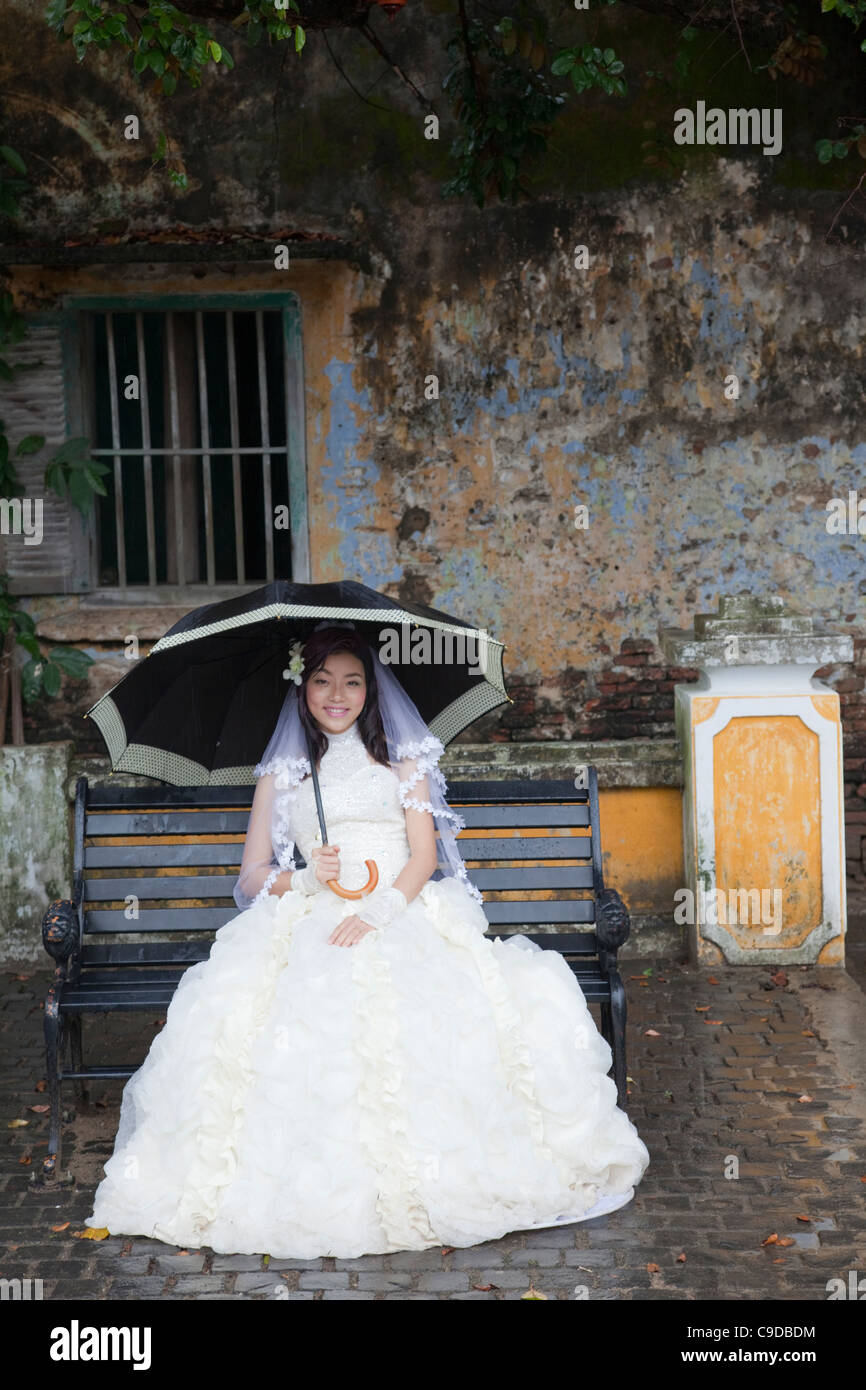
pixel 349 1077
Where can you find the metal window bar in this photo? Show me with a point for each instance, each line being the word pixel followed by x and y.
pixel 119 520
pixel 176 451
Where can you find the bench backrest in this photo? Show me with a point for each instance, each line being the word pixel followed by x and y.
pixel 533 849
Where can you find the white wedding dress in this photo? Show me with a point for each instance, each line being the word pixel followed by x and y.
pixel 428 1086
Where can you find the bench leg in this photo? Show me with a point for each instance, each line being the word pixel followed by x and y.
pixel 53 1026
pixel 82 1090
pixel 618 1012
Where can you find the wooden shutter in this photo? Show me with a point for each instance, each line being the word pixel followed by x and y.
pixel 44 399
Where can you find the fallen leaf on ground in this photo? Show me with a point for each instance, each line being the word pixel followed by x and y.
pixel 485 1288
pixel 803 1218
pixel 702 1008
pixel 40 1086
pixel 17 1124
pixel 807 1033
pixel 770 1240
pixel 803 1099
pixel 25 1158
pixel 785 1240
pixel 681 1259
pixel 534 1293
pixel 711 980
pixel 446 1249
pixel 652 1269
pixel 61 1228
pixel 651 1033
pixel 780 978
pixel 92 1233
pixel 38 1109
pixel 713 1022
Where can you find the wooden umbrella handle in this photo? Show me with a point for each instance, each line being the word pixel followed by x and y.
pixel 372 880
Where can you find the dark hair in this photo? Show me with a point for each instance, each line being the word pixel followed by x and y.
pixel 317 648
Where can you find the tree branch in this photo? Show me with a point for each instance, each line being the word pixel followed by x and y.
pixel 379 47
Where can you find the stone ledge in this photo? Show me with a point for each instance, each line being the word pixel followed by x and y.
pixel 639 762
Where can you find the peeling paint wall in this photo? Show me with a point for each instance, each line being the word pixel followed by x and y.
pixel 557 387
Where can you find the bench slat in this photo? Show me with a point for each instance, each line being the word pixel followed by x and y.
pixel 520 817
pixel 550 910
pixel 143 856
pixel 144 953
pixel 114 795
pixel 519 876
pixel 167 886
pixel 539 847
pixel 181 822
pixel 159 919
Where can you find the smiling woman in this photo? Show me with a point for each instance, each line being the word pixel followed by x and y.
pixel 426 1086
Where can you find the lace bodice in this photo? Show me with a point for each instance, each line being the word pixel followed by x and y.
pixel 363 814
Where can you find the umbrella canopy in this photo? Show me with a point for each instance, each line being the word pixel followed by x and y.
pixel 201 706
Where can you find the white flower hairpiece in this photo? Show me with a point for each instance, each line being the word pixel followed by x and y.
pixel 295 667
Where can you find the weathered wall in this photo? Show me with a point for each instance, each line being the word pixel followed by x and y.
pixel 557 386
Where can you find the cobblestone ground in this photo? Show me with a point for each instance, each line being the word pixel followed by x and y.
pixel 744 1064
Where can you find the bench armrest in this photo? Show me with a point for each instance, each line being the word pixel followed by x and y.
pixel 60 928
pixel 612 922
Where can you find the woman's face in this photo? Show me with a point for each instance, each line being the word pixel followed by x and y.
pixel 336 692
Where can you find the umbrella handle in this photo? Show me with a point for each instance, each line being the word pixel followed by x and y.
pixel 372 880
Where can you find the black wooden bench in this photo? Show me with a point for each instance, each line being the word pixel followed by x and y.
pixel 177 850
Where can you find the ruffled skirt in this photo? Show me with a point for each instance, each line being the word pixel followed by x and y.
pixel 427 1086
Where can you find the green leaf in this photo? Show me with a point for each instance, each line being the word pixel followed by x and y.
pixel 30 644
pixel 609 56
pixel 72 451
pixel 51 678
pixel 169 83
pixel 13 157
pixel 30 444
pixel 73 662
pixel 562 64
pixel 840 149
pixel 95 481
pixel 139 62
pixel 300 38
pixel 55 479
pixel 215 49
pixel 80 493
pixel 824 150
pixel 827 5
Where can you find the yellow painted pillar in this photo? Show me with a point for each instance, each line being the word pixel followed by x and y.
pixel 763 820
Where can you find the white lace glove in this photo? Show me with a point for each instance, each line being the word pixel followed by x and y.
pixel 382 906
pixel 305 881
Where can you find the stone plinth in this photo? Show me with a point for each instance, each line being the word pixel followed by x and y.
pixel 763 825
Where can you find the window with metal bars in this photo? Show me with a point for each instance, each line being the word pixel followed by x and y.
pixel 198 412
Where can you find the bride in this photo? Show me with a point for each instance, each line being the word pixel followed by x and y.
pixel 359 1076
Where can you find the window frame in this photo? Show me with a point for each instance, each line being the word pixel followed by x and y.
pixel 78 374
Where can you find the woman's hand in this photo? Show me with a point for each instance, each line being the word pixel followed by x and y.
pixel 349 932
pixel 326 862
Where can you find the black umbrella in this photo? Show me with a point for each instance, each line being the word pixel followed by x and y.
pixel 199 709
